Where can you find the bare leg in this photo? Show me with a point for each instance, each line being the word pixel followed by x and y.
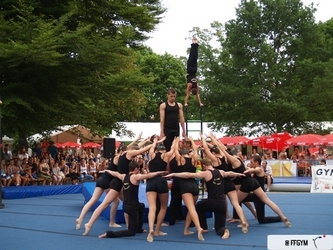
pixel 94 198
pixel 192 215
pixel 264 198
pixel 160 217
pixel 151 197
pixel 110 197
pixel 250 207
pixel 234 201
pixel 113 213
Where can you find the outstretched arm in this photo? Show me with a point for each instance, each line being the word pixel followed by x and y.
pixel 115 174
pixel 188 175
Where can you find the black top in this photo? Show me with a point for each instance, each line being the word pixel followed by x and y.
pixel 157 164
pixel 123 164
pixel 188 166
pixel 130 191
pixel 215 186
pixel 171 120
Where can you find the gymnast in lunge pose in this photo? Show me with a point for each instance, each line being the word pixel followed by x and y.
pixel 191 77
pixel 250 184
pixel 219 161
pixel 131 204
pixel 116 185
pixel 215 202
pixel 103 185
pixel 259 174
pixel 157 187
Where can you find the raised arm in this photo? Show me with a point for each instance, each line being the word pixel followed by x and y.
pixel 194 147
pixel 135 140
pixel 234 161
pixel 207 150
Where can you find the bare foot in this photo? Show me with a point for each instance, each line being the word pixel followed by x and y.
pixel 188 233
pixel 160 233
pixel 78 224
pixel 286 222
pixel 87 228
pixel 150 237
pixel 114 225
pixel 205 231
pixel 234 220
pixel 164 225
pixel 245 227
pixel 102 236
pixel 200 236
pixel 226 234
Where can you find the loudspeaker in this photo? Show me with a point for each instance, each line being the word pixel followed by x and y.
pixel 109 147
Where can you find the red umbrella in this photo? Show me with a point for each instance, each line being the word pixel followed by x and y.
pixel 328 140
pixel 257 141
pixel 306 140
pixel 276 141
pixel 233 140
pixel 59 145
pixel 90 145
pixel 71 144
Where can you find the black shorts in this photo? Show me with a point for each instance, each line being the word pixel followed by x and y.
pixel 228 186
pixel 116 184
pixel 249 184
pixel 158 185
pixel 188 186
pixel 103 183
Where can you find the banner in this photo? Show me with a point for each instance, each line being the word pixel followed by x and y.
pixel 322 179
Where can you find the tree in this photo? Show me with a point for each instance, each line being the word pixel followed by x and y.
pixel 270 70
pixel 72 62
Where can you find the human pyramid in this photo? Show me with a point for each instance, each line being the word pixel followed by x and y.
pixel 224 175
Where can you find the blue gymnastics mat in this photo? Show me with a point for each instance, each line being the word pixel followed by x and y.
pixel 35 191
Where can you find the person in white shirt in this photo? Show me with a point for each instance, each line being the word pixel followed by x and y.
pixel 268 175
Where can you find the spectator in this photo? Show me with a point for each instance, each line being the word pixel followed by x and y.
pixel 268 175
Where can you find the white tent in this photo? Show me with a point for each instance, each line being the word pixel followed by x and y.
pixel 149 129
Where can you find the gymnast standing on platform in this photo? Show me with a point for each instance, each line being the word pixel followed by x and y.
pixel 131 204
pixel 157 187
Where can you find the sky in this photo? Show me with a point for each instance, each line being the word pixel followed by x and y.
pixel 172 35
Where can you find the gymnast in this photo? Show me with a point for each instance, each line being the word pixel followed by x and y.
pixel 215 202
pixel 219 161
pixel 131 204
pixel 157 187
pixel 116 185
pixel 191 77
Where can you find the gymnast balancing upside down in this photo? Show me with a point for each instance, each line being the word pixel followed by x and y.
pixel 191 77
